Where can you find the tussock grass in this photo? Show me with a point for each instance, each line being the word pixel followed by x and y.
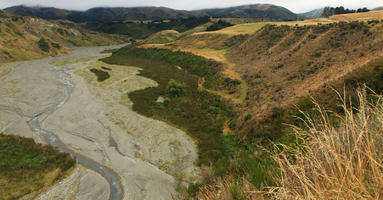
pixel 335 162
pixel 223 188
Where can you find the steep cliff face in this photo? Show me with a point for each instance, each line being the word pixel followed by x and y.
pixel 23 38
pixel 282 63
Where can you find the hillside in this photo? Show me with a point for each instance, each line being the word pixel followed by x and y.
pixel 215 44
pixel 121 14
pixel 266 11
pixel 266 69
pixel 378 8
pixel 317 13
pixel 364 16
pixel 49 13
pixel 282 63
pixel 163 37
pixel 40 38
pixel 104 15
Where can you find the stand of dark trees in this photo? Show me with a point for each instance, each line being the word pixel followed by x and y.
pixel 142 29
pixel 330 11
pixel 218 25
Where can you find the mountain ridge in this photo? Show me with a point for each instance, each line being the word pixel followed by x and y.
pixel 268 11
pixel 103 14
pixel 111 14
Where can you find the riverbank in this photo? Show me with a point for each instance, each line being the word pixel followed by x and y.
pixel 89 124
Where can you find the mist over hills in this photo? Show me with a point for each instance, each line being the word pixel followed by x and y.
pixel 121 14
pixel 103 14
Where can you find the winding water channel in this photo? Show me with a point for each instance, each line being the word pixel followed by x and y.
pixel 119 152
pixel 112 178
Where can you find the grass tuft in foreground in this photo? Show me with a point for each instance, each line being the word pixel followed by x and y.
pixel 336 162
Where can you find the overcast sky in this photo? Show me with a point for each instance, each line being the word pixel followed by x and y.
pixel 294 5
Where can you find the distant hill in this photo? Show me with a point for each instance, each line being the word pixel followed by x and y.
pixel 40 38
pixel 379 8
pixel 317 13
pixel 104 15
pixel 49 13
pixel 266 11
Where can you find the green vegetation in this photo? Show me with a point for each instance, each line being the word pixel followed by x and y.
pixel 219 25
pixel 330 11
pixel 204 115
pixel 200 113
pixel 141 29
pixel 209 70
pixel 43 45
pixel 101 75
pixel 175 89
pixel 27 167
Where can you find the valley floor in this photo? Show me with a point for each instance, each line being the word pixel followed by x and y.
pixel 149 157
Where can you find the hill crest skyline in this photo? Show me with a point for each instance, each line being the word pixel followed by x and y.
pixel 294 5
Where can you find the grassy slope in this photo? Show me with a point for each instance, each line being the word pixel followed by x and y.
pixel 26 32
pixel 28 167
pixel 288 46
pixel 214 45
pixel 163 37
pixel 364 16
pixel 288 62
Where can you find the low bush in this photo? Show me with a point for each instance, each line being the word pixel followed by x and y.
pixel 24 165
pixel 43 45
pixel 101 75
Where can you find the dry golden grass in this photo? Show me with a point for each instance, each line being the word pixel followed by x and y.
pixel 161 37
pixel 197 29
pixel 225 188
pixel 238 20
pixel 366 16
pixel 251 28
pixel 332 162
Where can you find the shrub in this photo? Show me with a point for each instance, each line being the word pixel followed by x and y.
pixel 43 45
pixel 175 89
pixel 219 25
pixel 101 75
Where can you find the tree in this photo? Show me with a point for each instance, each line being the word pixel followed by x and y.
pixel 175 89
